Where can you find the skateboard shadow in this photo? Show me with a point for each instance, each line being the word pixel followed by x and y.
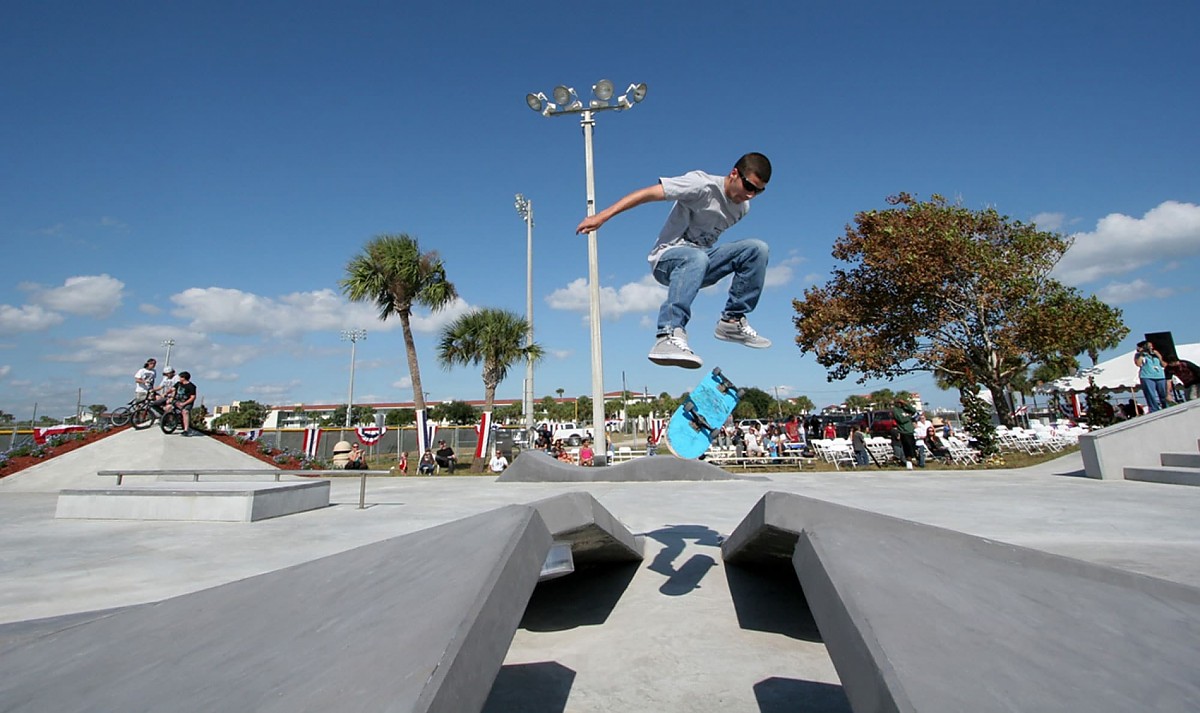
pixel 686 577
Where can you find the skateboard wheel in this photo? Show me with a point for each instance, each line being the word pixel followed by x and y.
pixel 741 393
pixel 716 371
pixel 689 407
pixel 722 388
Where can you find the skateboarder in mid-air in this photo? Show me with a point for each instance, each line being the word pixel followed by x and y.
pixel 686 257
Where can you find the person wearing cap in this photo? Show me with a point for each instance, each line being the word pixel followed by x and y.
pixel 445 457
pixel 167 387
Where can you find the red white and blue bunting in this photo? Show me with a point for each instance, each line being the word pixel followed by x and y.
pixel 312 438
pixel 370 435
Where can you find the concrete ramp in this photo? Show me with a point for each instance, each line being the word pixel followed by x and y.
pixel 595 535
pixel 918 618
pixel 538 467
pixel 420 622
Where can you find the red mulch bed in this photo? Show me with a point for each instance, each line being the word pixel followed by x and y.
pixel 16 464
pixel 250 448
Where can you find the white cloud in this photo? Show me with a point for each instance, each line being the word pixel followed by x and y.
pixel 403 383
pixel 641 296
pixel 1121 244
pixel 150 309
pixel 4 370
pixel 430 323
pixel 1049 221
pixel 221 310
pixel 272 393
pixel 1139 289
pixel 90 295
pixel 27 318
pixel 782 273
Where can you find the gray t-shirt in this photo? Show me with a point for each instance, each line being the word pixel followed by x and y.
pixel 701 212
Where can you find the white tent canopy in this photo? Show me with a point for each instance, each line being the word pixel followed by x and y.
pixel 1116 374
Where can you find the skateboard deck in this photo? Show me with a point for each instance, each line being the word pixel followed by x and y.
pixel 700 417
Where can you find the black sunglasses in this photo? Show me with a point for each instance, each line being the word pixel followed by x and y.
pixel 750 187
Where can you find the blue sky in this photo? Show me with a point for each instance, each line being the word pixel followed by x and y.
pixel 203 172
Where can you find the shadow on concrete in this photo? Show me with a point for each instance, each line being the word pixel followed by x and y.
pixel 541 687
pixel 785 695
pixel 686 577
pixel 583 598
pixel 1080 473
pixel 769 598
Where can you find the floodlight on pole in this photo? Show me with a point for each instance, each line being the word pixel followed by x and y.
pixel 524 208
pixel 354 336
pixel 568 103
pixel 168 343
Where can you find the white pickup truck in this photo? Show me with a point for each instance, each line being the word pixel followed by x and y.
pixel 571 434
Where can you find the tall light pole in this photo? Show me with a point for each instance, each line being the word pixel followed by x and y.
pixel 567 102
pixel 353 336
pixel 525 210
pixel 168 343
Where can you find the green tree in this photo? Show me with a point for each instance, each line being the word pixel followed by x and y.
pixel 755 403
pixel 491 337
pixel 360 415
pixel 857 402
pixel 400 417
pixel 97 410
pixel 247 414
pixel 393 273
pixel 459 413
pixel 798 405
pixel 969 294
pixel 510 413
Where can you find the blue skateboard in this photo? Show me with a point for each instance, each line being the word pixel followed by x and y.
pixel 700 417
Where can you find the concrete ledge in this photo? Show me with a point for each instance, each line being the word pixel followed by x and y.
pixel 420 622
pixel 1138 442
pixel 538 467
pixel 1171 475
pixel 595 535
pixel 224 502
pixel 1180 460
pixel 918 618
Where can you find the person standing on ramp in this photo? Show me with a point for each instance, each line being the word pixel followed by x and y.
pixel 686 258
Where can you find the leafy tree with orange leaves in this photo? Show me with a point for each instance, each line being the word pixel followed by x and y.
pixel 930 286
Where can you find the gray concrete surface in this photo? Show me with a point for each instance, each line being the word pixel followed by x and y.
pixel 1139 442
pixel 419 622
pixel 679 632
pixel 1002 628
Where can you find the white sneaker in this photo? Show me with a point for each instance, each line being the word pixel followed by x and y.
pixel 672 350
pixel 739 331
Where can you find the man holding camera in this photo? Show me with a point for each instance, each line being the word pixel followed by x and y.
pixel 1154 378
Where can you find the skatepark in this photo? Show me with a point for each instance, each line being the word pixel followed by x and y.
pixel 1037 588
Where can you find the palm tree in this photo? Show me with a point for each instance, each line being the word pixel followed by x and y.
pixel 494 337
pixel 392 272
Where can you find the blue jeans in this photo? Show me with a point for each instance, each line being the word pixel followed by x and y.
pixel 1155 391
pixel 685 270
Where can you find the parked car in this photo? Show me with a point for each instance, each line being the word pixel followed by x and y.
pixel 873 423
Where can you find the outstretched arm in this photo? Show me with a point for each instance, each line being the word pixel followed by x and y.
pixel 648 194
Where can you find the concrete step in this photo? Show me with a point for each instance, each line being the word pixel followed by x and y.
pixel 1181 460
pixel 918 618
pixel 1173 475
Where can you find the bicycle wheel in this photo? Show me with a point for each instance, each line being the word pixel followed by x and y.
pixel 169 422
pixel 120 416
pixel 143 417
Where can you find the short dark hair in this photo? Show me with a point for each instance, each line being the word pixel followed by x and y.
pixel 754 163
pixel 185 375
pixel 149 361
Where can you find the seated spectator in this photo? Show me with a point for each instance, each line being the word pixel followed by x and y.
pixel 830 431
pixel 586 456
pixel 427 465
pixel 651 445
pixel 445 457
pixel 356 461
pixel 499 462
pixel 935 445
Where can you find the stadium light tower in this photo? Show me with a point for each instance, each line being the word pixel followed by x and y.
pixel 354 336
pixel 566 101
pixel 525 210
